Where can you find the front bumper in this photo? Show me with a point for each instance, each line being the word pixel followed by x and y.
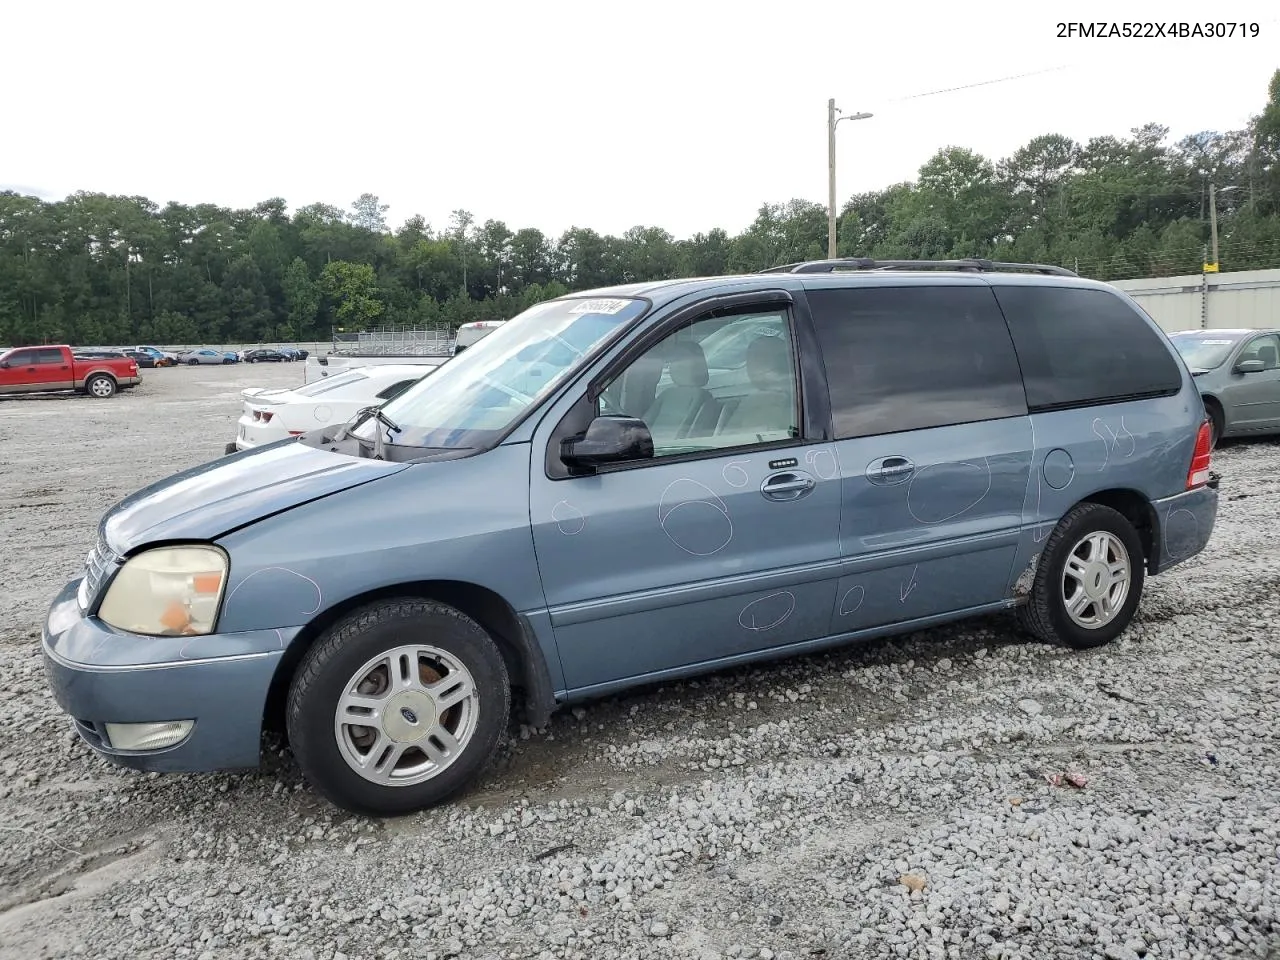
pixel 1185 522
pixel 99 675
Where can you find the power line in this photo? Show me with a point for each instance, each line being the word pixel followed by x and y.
pixel 981 83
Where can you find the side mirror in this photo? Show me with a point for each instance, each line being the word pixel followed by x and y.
pixel 609 440
pixel 4 365
pixel 1250 366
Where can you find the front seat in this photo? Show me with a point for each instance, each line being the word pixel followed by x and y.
pixel 1267 354
pixel 680 407
pixel 770 406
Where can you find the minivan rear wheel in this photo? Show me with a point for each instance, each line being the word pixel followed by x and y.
pixel 1089 580
pixel 397 707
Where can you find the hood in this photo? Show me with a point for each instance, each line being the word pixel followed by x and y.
pixel 217 497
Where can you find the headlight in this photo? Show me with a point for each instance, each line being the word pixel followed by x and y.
pixel 167 591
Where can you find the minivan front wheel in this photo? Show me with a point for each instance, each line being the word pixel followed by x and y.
pixel 1089 579
pixel 398 706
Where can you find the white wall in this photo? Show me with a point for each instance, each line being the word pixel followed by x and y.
pixel 1247 298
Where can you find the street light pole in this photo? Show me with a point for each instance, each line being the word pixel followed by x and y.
pixel 1212 265
pixel 832 120
pixel 1213 225
pixel 831 179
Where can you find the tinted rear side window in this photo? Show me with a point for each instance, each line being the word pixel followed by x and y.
pixel 909 358
pixel 1085 346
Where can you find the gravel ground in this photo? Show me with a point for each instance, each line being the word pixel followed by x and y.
pixel 884 801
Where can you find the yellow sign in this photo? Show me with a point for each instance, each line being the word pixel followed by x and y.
pixel 1210 268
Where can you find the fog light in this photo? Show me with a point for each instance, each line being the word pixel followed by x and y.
pixel 147 736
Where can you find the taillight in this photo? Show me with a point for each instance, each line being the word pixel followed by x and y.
pixel 1198 475
pixel 263 415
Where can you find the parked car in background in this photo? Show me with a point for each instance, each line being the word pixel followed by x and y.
pixel 264 355
pixel 271 415
pixel 332 365
pixel 142 358
pixel 58 368
pixel 204 356
pixel 913 444
pixel 162 358
pixel 293 353
pixel 1238 374
pixel 232 356
pixel 471 333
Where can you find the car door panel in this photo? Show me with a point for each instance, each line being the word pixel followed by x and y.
pixel 933 451
pixel 55 369
pixel 670 565
pixel 944 536
pixel 688 559
pixel 1253 399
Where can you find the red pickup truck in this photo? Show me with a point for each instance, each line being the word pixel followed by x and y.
pixel 45 369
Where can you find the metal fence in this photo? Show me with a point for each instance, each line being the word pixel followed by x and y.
pixel 415 341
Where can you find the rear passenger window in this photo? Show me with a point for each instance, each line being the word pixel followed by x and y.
pixel 48 356
pixel 1079 346
pixel 910 358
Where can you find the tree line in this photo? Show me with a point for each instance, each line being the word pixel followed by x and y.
pixel 96 269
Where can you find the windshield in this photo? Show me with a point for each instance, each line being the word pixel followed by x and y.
pixel 475 397
pixel 1204 351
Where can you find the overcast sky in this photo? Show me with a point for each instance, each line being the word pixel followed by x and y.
pixel 687 115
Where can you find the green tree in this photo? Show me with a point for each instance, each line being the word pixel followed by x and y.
pixel 353 288
pixel 302 298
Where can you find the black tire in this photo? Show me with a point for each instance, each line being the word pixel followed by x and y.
pixel 1216 422
pixel 333 661
pixel 1045 615
pixel 193 363
pixel 100 385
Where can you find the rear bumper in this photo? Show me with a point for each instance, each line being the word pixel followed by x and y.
pixel 1185 522
pixel 100 676
pixel 250 435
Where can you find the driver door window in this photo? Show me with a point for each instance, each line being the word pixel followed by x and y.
pixel 1266 349
pixel 692 401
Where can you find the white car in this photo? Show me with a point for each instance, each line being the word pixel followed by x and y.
pixel 271 415
pixel 470 333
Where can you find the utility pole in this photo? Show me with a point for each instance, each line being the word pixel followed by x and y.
pixel 831 179
pixel 832 120
pixel 1213 227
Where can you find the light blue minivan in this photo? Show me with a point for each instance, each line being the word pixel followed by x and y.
pixel 636 484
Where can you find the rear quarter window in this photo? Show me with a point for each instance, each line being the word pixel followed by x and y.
pixel 911 358
pixel 1079 347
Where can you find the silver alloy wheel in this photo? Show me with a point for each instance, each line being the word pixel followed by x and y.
pixel 1095 582
pixel 406 715
pixel 101 387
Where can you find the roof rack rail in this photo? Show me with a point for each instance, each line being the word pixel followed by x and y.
pixel 975 264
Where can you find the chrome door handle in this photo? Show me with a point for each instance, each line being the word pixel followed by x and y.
pixel 787 486
pixel 890 470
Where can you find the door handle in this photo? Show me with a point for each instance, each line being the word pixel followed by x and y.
pixel 787 486
pixel 890 470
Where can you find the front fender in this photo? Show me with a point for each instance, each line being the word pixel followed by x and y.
pixel 462 520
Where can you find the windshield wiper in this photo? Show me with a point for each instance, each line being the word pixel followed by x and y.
pixel 361 416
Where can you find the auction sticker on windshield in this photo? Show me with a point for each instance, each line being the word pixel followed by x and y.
pixel 601 306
